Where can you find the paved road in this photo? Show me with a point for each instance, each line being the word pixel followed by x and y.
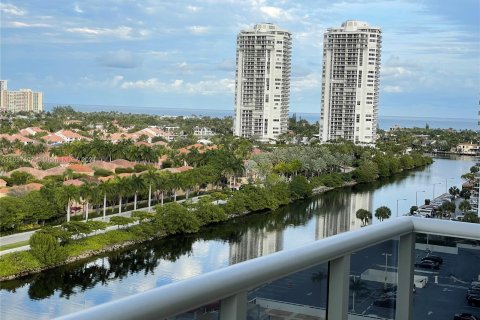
pixel 25 236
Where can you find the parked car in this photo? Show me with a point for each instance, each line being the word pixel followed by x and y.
pixel 434 258
pixel 473 300
pixel 427 264
pixel 465 316
pixel 389 302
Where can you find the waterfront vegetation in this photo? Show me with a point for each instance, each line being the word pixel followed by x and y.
pixel 273 188
pixel 234 176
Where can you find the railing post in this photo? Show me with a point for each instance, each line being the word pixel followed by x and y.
pixel 338 286
pixel 234 307
pixel 406 260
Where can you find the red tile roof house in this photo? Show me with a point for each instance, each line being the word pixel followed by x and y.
pixel 123 163
pixel 31 131
pixel 19 137
pixel 119 136
pixel 69 136
pixel 23 189
pixel 37 173
pixel 74 182
pixel 80 168
pixel 3 183
pixel 102 165
pixel 153 132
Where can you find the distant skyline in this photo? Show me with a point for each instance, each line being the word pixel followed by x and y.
pixel 182 53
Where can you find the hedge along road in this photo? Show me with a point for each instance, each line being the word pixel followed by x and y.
pixel 25 236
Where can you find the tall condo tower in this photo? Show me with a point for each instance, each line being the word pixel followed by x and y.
pixel 262 84
pixel 350 80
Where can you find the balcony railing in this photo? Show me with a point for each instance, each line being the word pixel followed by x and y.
pixel 228 287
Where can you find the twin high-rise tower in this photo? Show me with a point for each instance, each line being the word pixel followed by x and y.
pixel 262 84
pixel 350 80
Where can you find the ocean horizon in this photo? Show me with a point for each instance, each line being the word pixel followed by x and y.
pixel 384 122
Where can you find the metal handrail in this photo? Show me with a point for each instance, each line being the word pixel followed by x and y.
pixel 189 294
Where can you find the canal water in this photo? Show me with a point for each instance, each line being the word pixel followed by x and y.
pixel 149 265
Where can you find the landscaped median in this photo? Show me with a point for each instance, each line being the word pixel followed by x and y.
pixel 51 247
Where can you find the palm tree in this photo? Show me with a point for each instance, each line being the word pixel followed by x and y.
pixel 383 213
pixel 150 177
pixel 105 188
pixel 87 192
pixel 364 215
pixel 137 184
pixel 357 286
pixel 121 186
pixel 69 193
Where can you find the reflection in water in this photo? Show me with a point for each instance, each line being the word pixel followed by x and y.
pixel 338 212
pixel 152 264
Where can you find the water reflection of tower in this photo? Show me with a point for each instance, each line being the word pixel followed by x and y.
pixel 256 243
pixel 337 213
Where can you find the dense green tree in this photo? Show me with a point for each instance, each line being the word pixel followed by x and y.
pixel 383 213
pixel 367 171
pixel 465 194
pixel 121 221
pixel 46 249
pixel 12 212
pixel 174 218
pixel 208 212
pixel 471 217
pixel 300 187
pixel 37 207
pixel 465 206
pixel 448 208
pixel 20 178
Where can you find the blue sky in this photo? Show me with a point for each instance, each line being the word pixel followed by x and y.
pixel 181 54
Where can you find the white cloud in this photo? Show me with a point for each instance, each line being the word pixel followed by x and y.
pixel 275 13
pixel 120 32
pixel 198 29
pixel 396 72
pixel 193 8
pixel 19 24
pixel 10 9
pixel 393 89
pixel 77 8
pixel 203 87
pixel 309 81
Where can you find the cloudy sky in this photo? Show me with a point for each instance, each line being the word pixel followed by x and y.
pixel 181 54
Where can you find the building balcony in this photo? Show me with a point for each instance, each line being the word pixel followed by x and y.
pixel 377 272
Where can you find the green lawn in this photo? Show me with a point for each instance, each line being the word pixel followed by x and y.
pixel 13 245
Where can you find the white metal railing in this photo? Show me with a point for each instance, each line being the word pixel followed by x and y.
pixel 231 284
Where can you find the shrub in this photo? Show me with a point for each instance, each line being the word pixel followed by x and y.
pixel 300 188
pixel 46 249
pixel 175 218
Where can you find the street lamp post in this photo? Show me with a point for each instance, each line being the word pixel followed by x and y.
pixel 446 190
pixel 397 204
pixel 353 290
pixel 386 265
pixel 433 194
pixel 416 197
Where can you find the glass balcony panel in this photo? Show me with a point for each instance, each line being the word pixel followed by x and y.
pixel 373 281
pixel 451 278
pixel 207 312
pixel 302 295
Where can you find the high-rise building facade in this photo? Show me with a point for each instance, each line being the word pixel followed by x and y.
pixel 350 81
pixel 262 84
pixel 21 100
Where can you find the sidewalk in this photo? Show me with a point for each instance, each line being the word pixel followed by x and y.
pixel 25 236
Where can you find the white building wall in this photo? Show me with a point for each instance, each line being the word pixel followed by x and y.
pixel 262 86
pixel 350 80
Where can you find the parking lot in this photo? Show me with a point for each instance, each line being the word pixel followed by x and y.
pixel 442 297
